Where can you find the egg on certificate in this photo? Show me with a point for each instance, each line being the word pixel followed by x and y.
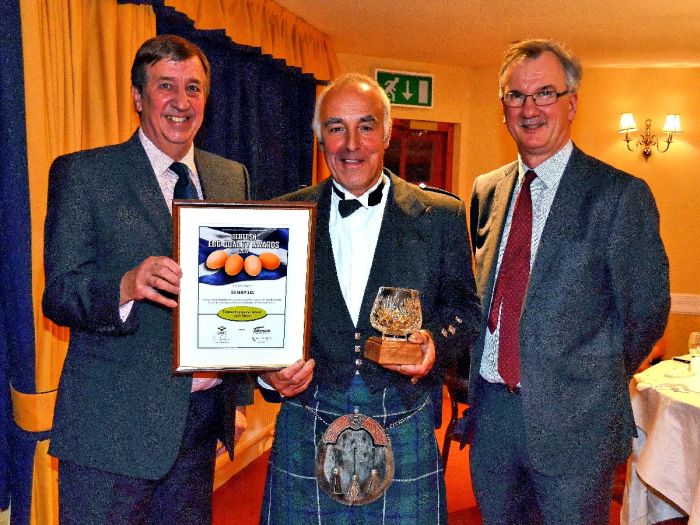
pixel 269 261
pixel 234 264
pixel 216 259
pixel 252 265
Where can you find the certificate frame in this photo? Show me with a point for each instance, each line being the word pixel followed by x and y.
pixel 242 315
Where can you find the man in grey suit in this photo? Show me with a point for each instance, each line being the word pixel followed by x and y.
pixel 373 229
pixel 573 278
pixel 136 444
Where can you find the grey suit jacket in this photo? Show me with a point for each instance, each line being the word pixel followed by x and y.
pixel 597 301
pixel 422 244
pixel 119 407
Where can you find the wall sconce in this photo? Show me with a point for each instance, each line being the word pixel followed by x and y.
pixel 628 125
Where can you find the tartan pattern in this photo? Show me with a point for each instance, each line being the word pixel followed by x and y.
pixel 292 496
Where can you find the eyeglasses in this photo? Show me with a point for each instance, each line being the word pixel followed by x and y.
pixel 544 97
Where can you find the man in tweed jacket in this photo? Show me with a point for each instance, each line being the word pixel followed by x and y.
pixel 398 235
pixel 136 443
pixel 596 301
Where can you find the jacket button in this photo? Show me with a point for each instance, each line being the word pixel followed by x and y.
pixel 358 348
pixel 358 336
pixel 358 362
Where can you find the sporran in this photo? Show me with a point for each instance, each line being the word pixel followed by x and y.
pixel 355 462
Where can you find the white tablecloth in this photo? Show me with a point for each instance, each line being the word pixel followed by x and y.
pixel 663 475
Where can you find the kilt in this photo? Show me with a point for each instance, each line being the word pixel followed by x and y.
pixel 292 495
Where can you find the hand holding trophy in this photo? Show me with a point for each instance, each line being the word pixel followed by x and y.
pixel 396 313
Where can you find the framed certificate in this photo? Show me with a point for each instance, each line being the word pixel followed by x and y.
pixel 245 292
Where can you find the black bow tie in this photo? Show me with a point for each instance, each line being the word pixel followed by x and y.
pixel 348 206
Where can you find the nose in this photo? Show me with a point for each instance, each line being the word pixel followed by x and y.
pixel 180 100
pixel 529 107
pixel 352 140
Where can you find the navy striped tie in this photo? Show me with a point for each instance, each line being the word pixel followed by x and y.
pixel 184 189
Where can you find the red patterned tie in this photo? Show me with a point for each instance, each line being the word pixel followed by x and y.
pixel 511 284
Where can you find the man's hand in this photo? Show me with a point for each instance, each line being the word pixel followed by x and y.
pixel 292 380
pixel 241 423
pixel 427 346
pixel 148 279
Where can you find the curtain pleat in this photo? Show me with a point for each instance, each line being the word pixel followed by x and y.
pixel 16 318
pixel 269 26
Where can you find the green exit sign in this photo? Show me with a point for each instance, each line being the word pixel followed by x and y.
pixel 406 89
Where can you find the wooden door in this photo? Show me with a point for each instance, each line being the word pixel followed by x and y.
pixel 421 152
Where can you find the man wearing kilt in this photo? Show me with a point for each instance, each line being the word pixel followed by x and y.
pixel 355 439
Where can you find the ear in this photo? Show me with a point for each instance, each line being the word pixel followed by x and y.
pixel 136 95
pixel 573 106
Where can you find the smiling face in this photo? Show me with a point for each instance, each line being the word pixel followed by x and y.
pixel 539 131
pixel 353 136
pixel 172 103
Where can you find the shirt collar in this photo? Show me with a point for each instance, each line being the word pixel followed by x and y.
pixel 365 196
pixel 159 160
pixel 551 170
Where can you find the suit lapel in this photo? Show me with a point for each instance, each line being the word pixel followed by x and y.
pixel 147 192
pixel 562 216
pixel 498 212
pixel 212 183
pixel 396 237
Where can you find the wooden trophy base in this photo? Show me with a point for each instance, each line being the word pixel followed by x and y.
pixel 393 352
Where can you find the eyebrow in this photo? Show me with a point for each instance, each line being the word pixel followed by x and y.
pixel 333 120
pixel 172 79
pixel 548 86
pixel 339 120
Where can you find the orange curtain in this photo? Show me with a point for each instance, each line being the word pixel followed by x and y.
pixel 77 57
pixel 269 26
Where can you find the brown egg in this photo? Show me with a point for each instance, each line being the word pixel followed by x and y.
pixel 234 264
pixel 269 261
pixel 216 259
pixel 252 265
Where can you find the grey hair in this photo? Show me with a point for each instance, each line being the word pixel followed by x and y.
pixel 347 80
pixel 533 48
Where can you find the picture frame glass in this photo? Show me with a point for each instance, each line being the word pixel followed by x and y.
pixel 244 301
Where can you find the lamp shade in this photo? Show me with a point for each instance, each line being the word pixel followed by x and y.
pixel 672 124
pixel 627 123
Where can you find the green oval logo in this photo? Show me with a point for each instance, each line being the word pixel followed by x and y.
pixel 241 313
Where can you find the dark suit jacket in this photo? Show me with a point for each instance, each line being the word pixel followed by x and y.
pixel 597 301
pixel 423 244
pixel 119 406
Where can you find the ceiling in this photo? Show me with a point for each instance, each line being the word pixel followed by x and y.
pixel 474 33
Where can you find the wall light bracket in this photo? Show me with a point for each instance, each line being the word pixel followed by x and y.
pixel 648 140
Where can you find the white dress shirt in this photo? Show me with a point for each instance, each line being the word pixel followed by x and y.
pixel 354 240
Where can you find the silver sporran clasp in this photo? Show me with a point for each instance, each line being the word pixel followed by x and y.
pixel 355 462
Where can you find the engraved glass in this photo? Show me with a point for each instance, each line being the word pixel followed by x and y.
pixel 396 312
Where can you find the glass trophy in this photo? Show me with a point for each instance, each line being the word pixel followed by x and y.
pixel 396 313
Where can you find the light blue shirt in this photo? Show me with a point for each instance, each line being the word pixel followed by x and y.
pixel 543 189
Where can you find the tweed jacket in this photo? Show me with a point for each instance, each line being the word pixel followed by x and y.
pixel 596 302
pixel 119 406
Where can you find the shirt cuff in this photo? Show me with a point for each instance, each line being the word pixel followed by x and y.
pixel 125 310
pixel 264 384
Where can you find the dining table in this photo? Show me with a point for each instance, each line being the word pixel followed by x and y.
pixel 663 472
